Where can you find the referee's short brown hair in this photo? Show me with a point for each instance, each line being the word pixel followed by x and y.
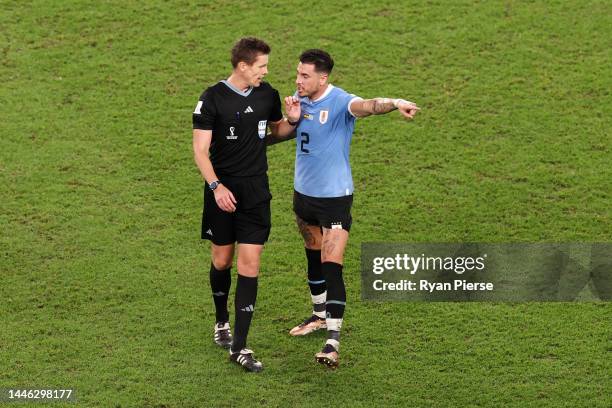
pixel 248 49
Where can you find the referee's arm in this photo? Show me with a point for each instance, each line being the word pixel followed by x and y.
pixel 280 131
pixel 201 145
pixel 284 129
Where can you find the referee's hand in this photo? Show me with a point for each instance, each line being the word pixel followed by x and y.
pixel 225 199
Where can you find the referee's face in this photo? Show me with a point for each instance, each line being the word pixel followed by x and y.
pixel 255 73
pixel 309 82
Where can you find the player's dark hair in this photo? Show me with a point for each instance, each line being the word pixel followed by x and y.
pixel 248 49
pixel 321 60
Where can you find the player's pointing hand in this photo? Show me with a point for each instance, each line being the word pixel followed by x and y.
pixel 407 109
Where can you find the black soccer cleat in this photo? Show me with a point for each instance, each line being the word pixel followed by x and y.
pixel 245 358
pixel 328 356
pixel 223 336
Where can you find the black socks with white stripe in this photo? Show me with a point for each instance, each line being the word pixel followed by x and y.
pixel 246 294
pixel 220 282
pixel 316 282
pixel 336 301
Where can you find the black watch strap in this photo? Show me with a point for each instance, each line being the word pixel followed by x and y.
pixel 292 123
pixel 214 185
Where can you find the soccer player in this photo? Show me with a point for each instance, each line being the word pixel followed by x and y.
pixel 324 187
pixel 229 144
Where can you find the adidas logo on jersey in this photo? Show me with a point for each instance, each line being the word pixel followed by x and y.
pixel 248 110
pixel 249 308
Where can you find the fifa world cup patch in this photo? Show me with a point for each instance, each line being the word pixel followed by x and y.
pixel 336 225
pixel 232 135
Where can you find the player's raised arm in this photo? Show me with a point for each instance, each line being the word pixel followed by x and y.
pixel 378 106
pixel 284 129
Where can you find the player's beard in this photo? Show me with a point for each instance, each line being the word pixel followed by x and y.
pixel 302 93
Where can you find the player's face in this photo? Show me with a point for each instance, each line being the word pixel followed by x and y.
pixel 308 81
pixel 255 73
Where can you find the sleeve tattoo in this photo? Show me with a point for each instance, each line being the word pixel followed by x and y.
pixel 378 106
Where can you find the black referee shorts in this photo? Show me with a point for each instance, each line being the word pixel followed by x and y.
pixel 250 223
pixel 332 213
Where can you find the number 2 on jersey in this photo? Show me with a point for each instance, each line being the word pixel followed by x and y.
pixel 305 139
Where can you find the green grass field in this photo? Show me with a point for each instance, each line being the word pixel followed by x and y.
pixel 104 280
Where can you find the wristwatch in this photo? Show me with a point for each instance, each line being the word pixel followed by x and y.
pixel 214 185
pixel 293 123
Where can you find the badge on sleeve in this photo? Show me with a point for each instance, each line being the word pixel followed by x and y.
pixel 261 128
pixel 198 108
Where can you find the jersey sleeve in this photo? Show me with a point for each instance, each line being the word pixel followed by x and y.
pixel 276 114
pixel 345 101
pixel 204 113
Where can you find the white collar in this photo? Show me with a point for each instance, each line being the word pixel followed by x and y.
pixel 327 91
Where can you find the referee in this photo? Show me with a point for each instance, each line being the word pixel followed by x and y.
pixel 230 122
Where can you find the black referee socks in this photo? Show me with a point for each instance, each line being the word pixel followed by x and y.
pixel 246 294
pixel 220 282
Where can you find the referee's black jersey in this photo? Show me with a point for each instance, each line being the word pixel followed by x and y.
pixel 238 120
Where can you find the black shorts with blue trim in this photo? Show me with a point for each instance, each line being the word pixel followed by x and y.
pixel 327 212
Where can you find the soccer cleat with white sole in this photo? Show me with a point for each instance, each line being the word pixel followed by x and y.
pixel 245 358
pixel 309 325
pixel 223 335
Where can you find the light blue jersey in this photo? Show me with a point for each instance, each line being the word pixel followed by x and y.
pixel 323 143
